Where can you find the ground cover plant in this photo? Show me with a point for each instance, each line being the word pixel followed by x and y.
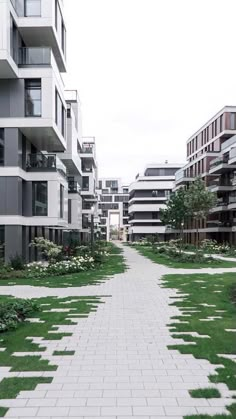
pixel 43 323
pixel 69 274
pixel 208 308
pixel 169 255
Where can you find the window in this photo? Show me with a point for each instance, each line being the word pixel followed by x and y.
pixel 121 198
pixel 107 198
pixel 2 241
pixel 32 8
pixel 111 184
pixel 61 201
pixel 33 101
pixel 60 113
pixel 40 199
pixel 100 184
pixel 85 183
pixel 60 27
pixel 69 211
pixel 1 147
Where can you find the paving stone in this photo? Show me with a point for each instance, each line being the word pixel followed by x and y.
pixel 122 367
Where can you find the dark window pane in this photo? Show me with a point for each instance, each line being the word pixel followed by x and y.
pixel 2 242
pixel 1 147
pixel 61 201
pixel 33 97
pixel 40 198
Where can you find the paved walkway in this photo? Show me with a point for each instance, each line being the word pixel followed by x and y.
pixel 121 367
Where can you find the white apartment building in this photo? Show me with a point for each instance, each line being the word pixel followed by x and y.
pixel 89 190
pixel 113 200
pixel 41 145
pixel 147 195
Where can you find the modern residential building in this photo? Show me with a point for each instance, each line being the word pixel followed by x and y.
pixel 41 147
pixel 89 190
pixel 147 195
pixel 210 155
pixel 113 200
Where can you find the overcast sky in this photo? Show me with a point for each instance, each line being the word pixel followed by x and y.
pixel 149 73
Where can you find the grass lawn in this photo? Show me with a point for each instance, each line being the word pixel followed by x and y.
pixel 17 340
pixel 114 264
pixel 163 260
pixel 209 296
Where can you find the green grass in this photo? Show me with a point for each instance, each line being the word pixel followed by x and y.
pixel 11 387
pixel 232 410
pixel 3 411
pixel 17 340
pixel 114 264
pixel 164 260
pixel 205 393
pixel 218 291
pixel 63 353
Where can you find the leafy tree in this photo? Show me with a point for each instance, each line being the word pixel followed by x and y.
pixel 176 211
pixel 199 202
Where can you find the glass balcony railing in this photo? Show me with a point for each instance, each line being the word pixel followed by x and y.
pixel 232 153
pixel 38 162
pixel 34 56
pixel 27 8
pixel 219 160
pixel 232 199
pixel 73 186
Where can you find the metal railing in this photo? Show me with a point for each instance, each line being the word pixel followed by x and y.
pixel 87 150
pixel 27 8
pixel 30 56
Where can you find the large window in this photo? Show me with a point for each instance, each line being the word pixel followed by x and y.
pixel 60 27
pixel 1 147
pixel 61 201
pixel 40 198
pixel 85 183
pixel 33 98
pixel 32 8
pixel 60 113
pixel 2 242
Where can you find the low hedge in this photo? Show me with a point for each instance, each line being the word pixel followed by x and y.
pixel 14 312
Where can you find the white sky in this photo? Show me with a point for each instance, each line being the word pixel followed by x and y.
pixel 149 73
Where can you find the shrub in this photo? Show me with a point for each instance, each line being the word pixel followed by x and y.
pixel 17 263
pixel 50 251
pixel 14 312
pixel 72 265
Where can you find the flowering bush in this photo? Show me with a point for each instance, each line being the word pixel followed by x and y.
pixel 211 246
pixel 72 265
pixel 51 251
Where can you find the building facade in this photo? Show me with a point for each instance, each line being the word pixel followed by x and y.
pixel 210 155
pixel 89 190
pixel 113 200
pixel 147 195
pixel 41 146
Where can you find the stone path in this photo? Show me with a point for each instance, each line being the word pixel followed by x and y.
pixel 121 367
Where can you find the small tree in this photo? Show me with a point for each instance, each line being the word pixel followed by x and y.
pixel 199 201
pixel 176 211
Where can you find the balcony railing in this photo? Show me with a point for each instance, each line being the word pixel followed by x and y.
pixel 87 150
pixel 232 153
pixel 73 186
pixel 218 161
pixel 229 142
pixel 34 56
pixel 232 199
pixel 38 162
pixel 27 8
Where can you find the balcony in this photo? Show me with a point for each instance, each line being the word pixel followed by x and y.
pixel 87 169
pixel 221 165
pixel 34 56
pixel 217 185
pixel 73 186
pixel 37 26
pixel 232 156
pixel 27 8
pixel 181 177
pixel 38 162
